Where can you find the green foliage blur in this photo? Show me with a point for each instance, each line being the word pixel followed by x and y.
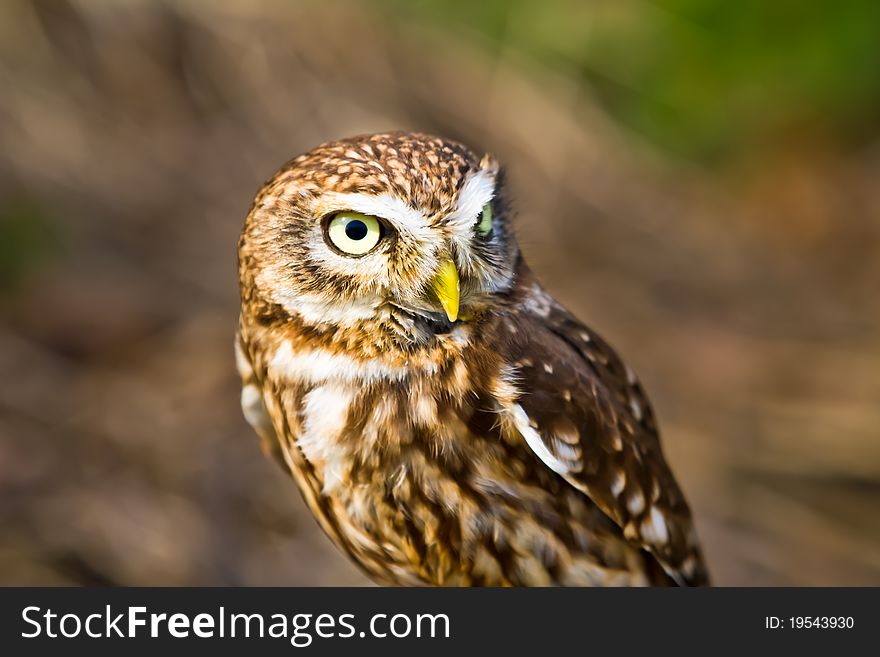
pixel 701 79
pixel 27 239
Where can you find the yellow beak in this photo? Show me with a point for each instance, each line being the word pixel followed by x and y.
pixel 445 286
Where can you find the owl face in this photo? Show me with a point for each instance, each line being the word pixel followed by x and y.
pixel 402 230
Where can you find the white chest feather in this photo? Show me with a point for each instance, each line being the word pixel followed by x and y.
pixel 322 440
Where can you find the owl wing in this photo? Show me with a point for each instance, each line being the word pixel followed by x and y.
pixel 584 414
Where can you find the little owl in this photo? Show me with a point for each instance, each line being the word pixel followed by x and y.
pixel 446 420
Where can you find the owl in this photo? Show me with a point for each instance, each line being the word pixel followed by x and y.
pixel 445 419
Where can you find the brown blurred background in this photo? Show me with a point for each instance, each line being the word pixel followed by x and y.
pixel 698 180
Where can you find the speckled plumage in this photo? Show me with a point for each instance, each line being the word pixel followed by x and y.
pixel 509 447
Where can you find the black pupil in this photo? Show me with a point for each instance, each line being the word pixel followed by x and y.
pixel 356 230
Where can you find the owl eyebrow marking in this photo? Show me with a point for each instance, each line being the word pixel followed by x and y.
pixel 386 206
pixel 478 189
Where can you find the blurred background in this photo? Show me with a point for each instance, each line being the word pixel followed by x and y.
pixel 697 179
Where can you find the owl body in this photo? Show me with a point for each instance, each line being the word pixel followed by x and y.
pixel 446 420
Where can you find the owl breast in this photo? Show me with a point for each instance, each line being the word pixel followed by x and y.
pixel 409 471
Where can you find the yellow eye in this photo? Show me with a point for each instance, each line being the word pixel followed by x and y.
pixel 354 233
pixel 485 225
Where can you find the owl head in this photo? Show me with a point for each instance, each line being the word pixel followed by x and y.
pixel 404 233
